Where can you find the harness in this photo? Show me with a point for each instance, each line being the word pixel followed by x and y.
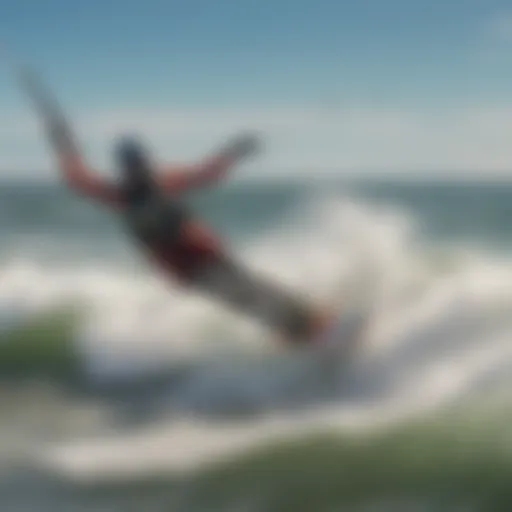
pixel 155 218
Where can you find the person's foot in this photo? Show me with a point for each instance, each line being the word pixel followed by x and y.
pixel 322 320
pixel 320 323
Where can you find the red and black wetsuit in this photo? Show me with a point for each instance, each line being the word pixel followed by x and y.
pixel 196 246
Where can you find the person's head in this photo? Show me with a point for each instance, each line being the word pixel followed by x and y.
pixel 133 162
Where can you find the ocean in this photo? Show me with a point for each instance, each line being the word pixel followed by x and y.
pixel 122 392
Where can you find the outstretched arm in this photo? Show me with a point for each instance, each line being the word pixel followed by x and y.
pixel 74 170
pixel 183 178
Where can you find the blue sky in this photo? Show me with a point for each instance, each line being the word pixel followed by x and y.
pixel 332 85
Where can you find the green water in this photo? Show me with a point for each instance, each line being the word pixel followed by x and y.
pixel 43 347
pixel 455 461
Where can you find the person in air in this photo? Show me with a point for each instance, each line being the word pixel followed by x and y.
pixel 152 201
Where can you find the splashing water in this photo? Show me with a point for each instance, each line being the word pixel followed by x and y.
pixel 440 333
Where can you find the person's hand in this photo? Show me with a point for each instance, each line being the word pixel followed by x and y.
pixel 243 146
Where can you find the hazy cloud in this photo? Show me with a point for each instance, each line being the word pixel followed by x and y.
pixel 476 140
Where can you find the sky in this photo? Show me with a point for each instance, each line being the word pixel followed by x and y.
pixel 331 86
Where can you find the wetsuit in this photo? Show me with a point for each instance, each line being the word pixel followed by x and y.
pixel 172 237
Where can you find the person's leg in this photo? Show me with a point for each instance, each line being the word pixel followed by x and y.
pixel 246 292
